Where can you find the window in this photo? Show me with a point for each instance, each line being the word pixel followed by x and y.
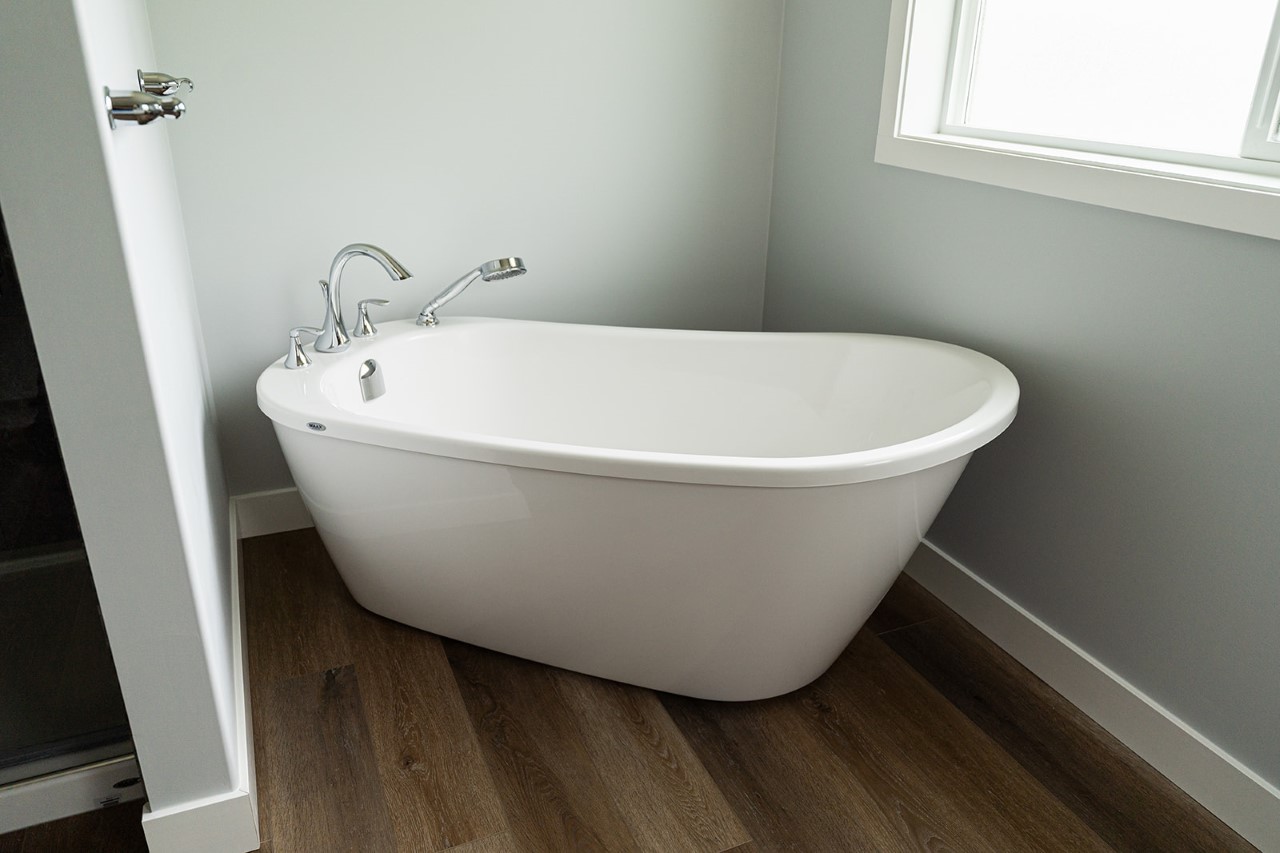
pixel 1144 105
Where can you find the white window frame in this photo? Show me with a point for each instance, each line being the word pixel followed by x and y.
pixel 915 133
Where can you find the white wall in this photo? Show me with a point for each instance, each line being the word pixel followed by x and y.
pixel 623 149
pixel 98 240
pixel 1134 504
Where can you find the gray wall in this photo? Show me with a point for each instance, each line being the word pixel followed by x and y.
pixel 1134 505
pixel 624 149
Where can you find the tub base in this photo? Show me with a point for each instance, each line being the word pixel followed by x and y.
pixel 716 592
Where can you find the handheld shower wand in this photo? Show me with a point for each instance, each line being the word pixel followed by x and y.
pixel 495 270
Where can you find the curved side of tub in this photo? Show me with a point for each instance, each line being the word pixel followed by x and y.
pixel 716 592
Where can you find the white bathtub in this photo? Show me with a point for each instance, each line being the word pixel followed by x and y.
pixel 707 513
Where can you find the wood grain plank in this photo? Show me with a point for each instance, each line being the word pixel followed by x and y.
pixel 656 780
pixel 432 771
pixel 920 756
pixel 294 602
pixel 501 843
pixel 117 829
pixel 1124 800
pixel 293 595
pixel 898 609
pixel 318 762
pixel 787 789
pixel 552 793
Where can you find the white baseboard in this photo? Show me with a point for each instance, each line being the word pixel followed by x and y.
pixel 69 792
pixel 1238 796
pixel 228 822
pixel 276 511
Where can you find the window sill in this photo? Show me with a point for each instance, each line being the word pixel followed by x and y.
pixel 1235 201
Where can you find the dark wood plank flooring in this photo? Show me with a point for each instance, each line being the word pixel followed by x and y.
pixel 923 736
pixel 117 829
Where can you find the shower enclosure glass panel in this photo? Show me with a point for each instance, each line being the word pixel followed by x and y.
pixel 60 702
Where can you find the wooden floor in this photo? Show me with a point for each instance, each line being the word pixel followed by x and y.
pixel 117 829
pixel 372 736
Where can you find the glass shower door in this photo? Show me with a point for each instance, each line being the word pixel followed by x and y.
pixel 60 702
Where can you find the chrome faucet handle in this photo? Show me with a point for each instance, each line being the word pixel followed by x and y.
pixel 295 357
pixel 364 327
pixel 140 107
pixel 159 83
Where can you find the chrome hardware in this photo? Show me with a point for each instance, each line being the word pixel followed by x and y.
pixel 495 270
pixel 333 331
pixel 364 327
pixel 295 357
pixel 159 83
pixel 334 338
pixel 372 385
pixel 140 107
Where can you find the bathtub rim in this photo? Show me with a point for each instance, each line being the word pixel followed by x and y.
pixel 280 398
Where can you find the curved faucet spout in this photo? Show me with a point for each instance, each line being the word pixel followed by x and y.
pixel 333 336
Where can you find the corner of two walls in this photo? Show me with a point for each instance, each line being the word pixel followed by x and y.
pixel 1132 504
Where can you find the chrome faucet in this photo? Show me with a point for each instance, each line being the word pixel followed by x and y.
pixel 333 336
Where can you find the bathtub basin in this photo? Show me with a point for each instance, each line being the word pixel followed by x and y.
pixel 708 513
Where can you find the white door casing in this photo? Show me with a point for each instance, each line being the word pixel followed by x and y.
pixel 97 234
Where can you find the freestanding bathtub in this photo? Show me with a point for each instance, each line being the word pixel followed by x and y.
pixel 708 513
